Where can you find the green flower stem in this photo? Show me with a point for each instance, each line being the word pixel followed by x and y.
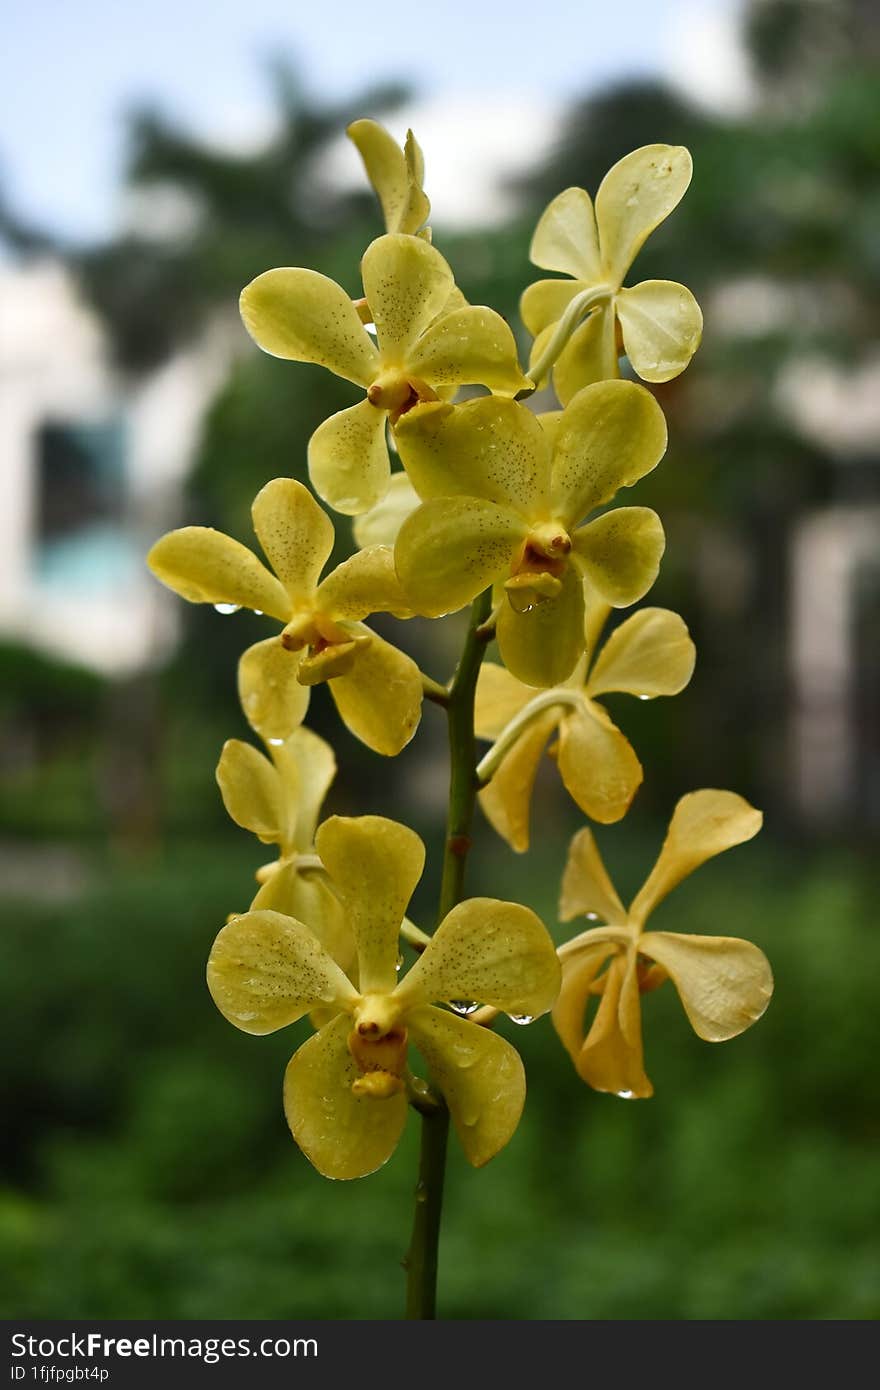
pixel 421 1258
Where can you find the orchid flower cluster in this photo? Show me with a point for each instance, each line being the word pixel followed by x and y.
pixel 479 502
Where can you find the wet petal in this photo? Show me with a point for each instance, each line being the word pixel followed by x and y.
pixel 489 448
pixel 296 535
pixel 374 865
pixel 305 317
pixel 620 553
pixel 725 983
pixel 481 1077
pixel 578 975
pixel 341 1134
pixel 380 699
pixel 565 238
pixel 544 303
pixel 266 971
pixel 307 896
pixel 406 283
pixel 500 697
pixel 365 583
pixel 611 1058
pixel 662 326
pixel 589 356
pixel 649 654
pixel 396 180
pixel 597 764
pixel 348 459
pixel 497 952
pixel 382 523
pixel 307 765
pixel 205 566
pixel 542 645
pixel 703 824
pixel 453 548
pixel 635 197
pixel 272 698
pixel 586 887
pixel 506 800
pixel 470 346
pixel 251 790
pixel 611 434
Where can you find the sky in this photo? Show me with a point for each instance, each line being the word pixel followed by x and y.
pixel 70 69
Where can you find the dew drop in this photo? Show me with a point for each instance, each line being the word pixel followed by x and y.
pixel 646 697
pixel 226 608
pixel 521 1019
pixel 398 964
pixel 275 742
pixel 592 916
pixel 626 1095
pixel 463 1006
pixel 259 612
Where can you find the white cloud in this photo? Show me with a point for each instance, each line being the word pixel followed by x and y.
pixel 705 56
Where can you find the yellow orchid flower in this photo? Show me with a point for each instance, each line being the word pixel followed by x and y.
pixel 421 347
pixel 381 524
pixel 345 1089
pixel 650 654
pixel 724 983
pixel 377 689
pixel 397 176
pixel 658 323
pixel 504 499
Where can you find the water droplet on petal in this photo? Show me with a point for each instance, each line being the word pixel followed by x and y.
pixel 646 697
pixel 592 916
pixel 227 608
pixel 463 1006
pixel 626 1095
pixel 398 964
pixel 521 1019
pixel 259 612
pixel 275 742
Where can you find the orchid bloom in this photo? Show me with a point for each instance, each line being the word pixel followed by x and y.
pixel 377 689
pixel 426 339
pixel 649 654
pixel 397 176
pixel 345 1089
pixel 659 322
pixel 724 983
pixel 504 499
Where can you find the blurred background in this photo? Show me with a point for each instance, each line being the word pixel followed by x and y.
pixel 152 161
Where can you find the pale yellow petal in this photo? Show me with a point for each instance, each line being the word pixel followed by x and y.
pixel 453 548
pixel 251 790
pixel 586 888
pixel 566 239
pixel 542 645
pixel 341 1134
pixel 266 971
pixel 296 535
pixel 578 976
pixel 348 459
pixel 703 824
pixel 635 197
pixel 725 983
pixel 506 800
pixel 273 700
pixel 589 356
pixel 500 696
pixel 662 326
pixel 307 765
pixel 365 583
pixel 306 895
pixel 380 699
pixel 496 952
pixel 489 448
pixel 396 180
pixel 406 282
pixel 619 553
pixel 481 1077
pixel 611 1058
pixel 305 317
pixel 471 346
pixel 544 302
pixel 649 654
pixel 597 764
pixel 381 524
pixel 205 566
pixel 611 434
pixel 374 865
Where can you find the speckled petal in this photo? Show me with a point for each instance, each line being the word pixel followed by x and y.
pixel 649 654
pixel 380 699
pixel 586 888
pixel 406 283
pixel 296 535
pixel 481 1077
pixel 611 434
pixel 453 548
pixel 205 566
pixel 566 239
pixel 725 984
pixel 470 346
pixel 348 456
pixel 597 764
pixel 305 317
pixel 506 800
pixel 489 448
pixel 306 895
pixel 272 698
pixel 341 1134
pixel 634 197
pixel 374 865
pixel 703 824
pixel 266 971
pixel 542 645
pixel 497 952
pixel 662 326
pixel 251 790
pixel 365 583
pixel 620 552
